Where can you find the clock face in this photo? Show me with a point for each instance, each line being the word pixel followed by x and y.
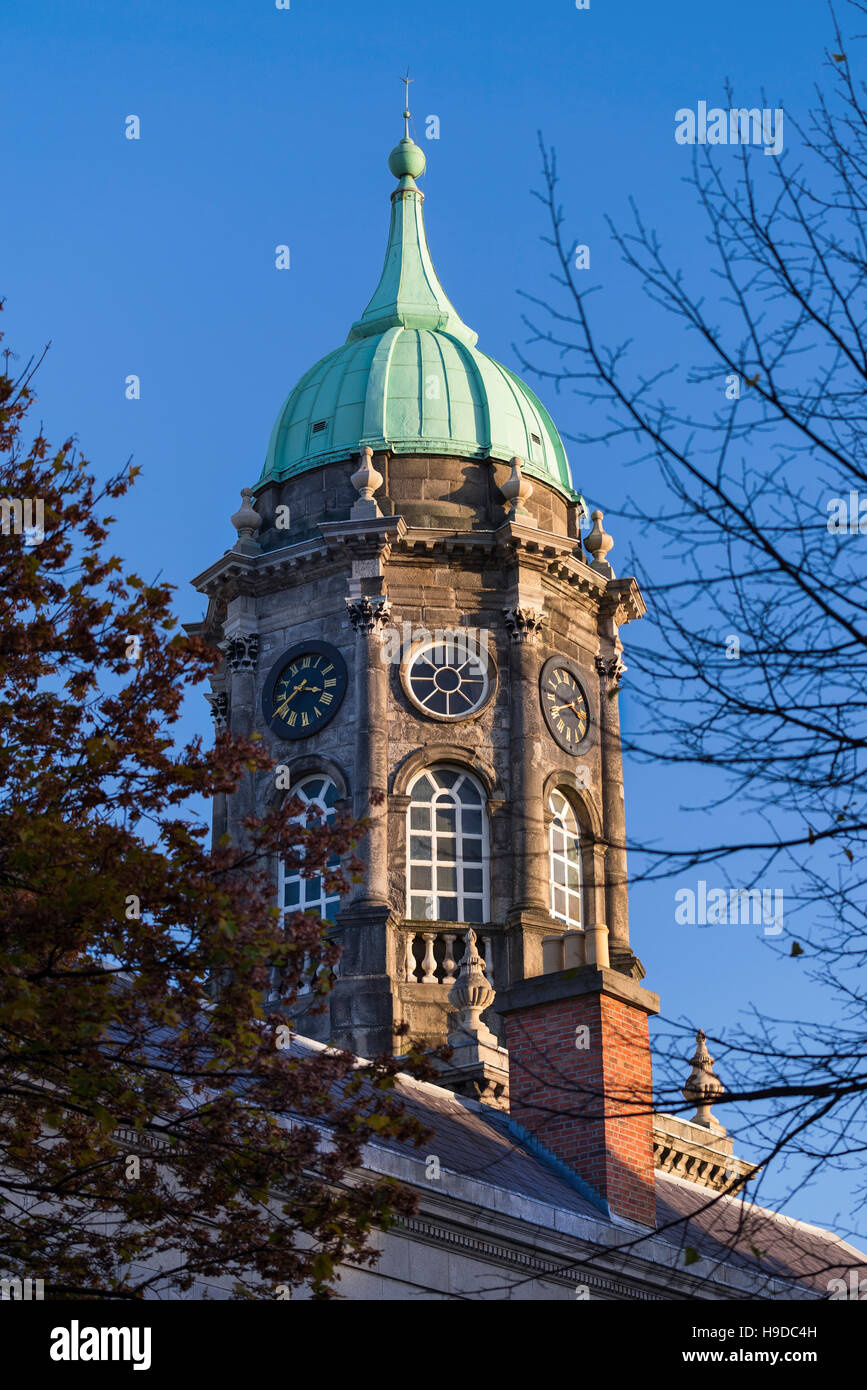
pixel 304 690
pixel 447 680
pixel 564 703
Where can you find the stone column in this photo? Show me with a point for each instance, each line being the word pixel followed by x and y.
pixel 241 651
pixel 528 919
pixel 610 670
pixel 219 702
pixel 368 616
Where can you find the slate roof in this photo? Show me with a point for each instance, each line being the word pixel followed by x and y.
pixel 730 1229
pixel 480 1143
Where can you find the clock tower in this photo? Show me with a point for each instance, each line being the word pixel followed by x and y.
pixel 411 619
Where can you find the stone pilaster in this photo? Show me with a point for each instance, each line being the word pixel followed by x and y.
pixel 241 652
pixel 368 615
pixel 528 920
pixel 362 1001
pixel 610 670
pixel 219 703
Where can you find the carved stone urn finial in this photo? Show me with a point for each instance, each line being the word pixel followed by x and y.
pixel 702 1088
pixel 366 480
pixel 518 490
pixel 246 521
pixel 471 994
pixel 598 543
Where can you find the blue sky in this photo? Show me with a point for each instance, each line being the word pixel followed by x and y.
pixel 262 126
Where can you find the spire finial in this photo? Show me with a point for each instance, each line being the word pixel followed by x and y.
pixel 406 81
pixel 406 160
pixel 702 1086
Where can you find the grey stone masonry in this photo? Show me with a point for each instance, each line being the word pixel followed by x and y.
pixel 438 549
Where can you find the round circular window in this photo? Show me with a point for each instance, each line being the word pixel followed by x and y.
pixel 448 679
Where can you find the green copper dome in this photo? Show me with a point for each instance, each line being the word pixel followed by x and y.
pixel 409 377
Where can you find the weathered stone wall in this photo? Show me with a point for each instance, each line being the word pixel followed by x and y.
pixel 454 560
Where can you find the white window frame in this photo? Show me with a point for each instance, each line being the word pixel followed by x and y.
pixel 326 901
pixel 563 827
pixel 437 860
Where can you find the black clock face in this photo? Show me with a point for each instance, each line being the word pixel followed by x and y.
pixel 304 690
pixel 564 703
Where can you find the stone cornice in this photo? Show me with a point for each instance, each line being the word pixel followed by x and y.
pixel 271 570
pixel 623 601
pixel 363 537
pixel 235 574
pixel 570 984
pixel 558 558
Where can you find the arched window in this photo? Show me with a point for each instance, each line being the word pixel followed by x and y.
pixel 447 859
pixel 299 894
pixel 564 859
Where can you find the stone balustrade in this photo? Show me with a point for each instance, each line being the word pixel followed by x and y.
pixel 432 955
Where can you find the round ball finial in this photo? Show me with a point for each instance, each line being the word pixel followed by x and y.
pixel 407 158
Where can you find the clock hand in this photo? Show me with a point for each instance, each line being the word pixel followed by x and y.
pixel 291 697
pixel 557 708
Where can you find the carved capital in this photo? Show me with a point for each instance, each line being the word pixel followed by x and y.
pixel 241 651
pixel 368 615
pixel 523 624
pixel 611 668
pixel 219 703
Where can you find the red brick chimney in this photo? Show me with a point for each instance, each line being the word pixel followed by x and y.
pixel 580 1078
